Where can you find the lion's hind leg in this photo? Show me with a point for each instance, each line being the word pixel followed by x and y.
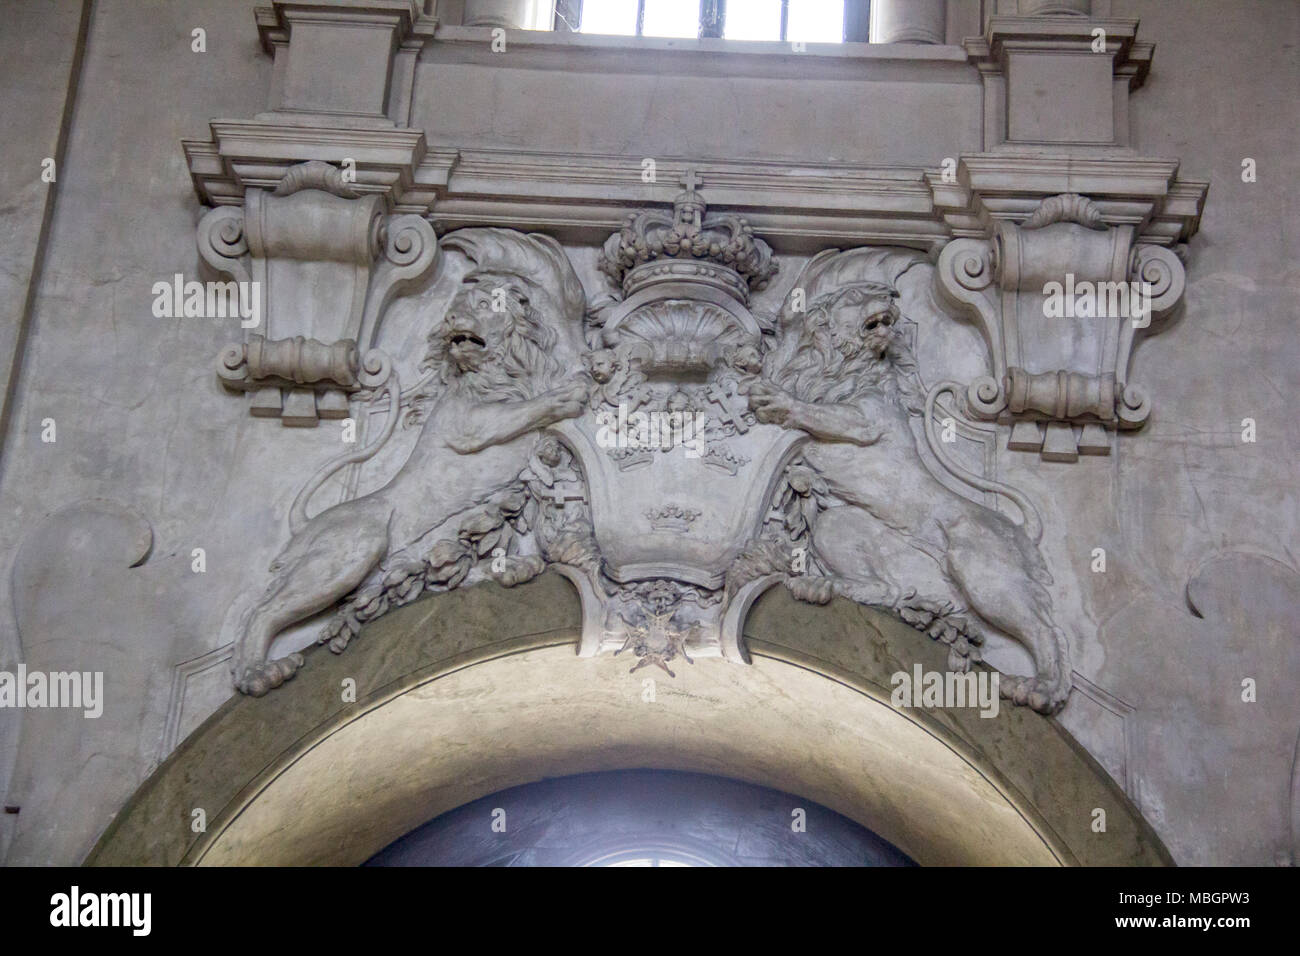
pixel 997 578
pixel 325 561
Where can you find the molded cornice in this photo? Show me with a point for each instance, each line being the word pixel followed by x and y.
pixel 794 206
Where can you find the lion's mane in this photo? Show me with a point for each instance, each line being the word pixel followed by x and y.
pixel 813 370
pixel 520 367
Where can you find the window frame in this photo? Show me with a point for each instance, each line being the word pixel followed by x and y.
pixel 711 22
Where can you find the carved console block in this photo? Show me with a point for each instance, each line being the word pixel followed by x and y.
pixel 323 262
pixel 1061 299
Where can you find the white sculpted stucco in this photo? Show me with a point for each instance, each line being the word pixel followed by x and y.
pixel 1162 588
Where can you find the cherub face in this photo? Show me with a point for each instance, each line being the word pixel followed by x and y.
pixel 603 364
pixel 549 452
pixel 678 402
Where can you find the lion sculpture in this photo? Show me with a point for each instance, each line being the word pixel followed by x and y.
pixel 845 376
pixel 495 381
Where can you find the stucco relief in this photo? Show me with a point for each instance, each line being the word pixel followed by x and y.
pixel 491 382
pixel 671 452
pixel 879 528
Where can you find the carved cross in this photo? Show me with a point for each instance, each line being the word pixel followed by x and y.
pixel 720 397
pixel 560 496
pixel 691 180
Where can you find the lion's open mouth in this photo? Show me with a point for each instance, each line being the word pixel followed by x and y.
pixel 466 338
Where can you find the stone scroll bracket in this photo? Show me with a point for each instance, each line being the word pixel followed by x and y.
pixel 321 263
pixel 1065 242
pixel 1061 299
pixel 316 212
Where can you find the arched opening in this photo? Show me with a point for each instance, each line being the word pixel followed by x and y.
pixel 476 691
pixel 640 818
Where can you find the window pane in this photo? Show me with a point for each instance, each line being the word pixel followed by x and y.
pixel 539 15
pixel 815 21
pixel 672 18
pixel 609 16
pixel 754 20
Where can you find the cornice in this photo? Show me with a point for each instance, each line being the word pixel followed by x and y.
pixel 1061 34
pixel 1006 185
pixel 244 153
pixel 797 207
pixel 274 22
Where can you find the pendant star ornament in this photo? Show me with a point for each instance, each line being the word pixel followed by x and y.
pixel 657 640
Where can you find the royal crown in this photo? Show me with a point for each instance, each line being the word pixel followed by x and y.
pixel 718 249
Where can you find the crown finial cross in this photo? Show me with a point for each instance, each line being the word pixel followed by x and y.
pixel 691 179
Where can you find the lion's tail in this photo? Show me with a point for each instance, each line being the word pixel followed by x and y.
pixel 298 511
pixel 1032 522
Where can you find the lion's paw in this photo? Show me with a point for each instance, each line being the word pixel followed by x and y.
pixel 265 676
pixel 811 590
pixel 338 634
pixel 1033 692
pixel 518 570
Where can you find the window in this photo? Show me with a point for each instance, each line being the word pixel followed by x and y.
pixel 656 856
pixel 539 15
pixel 795 21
